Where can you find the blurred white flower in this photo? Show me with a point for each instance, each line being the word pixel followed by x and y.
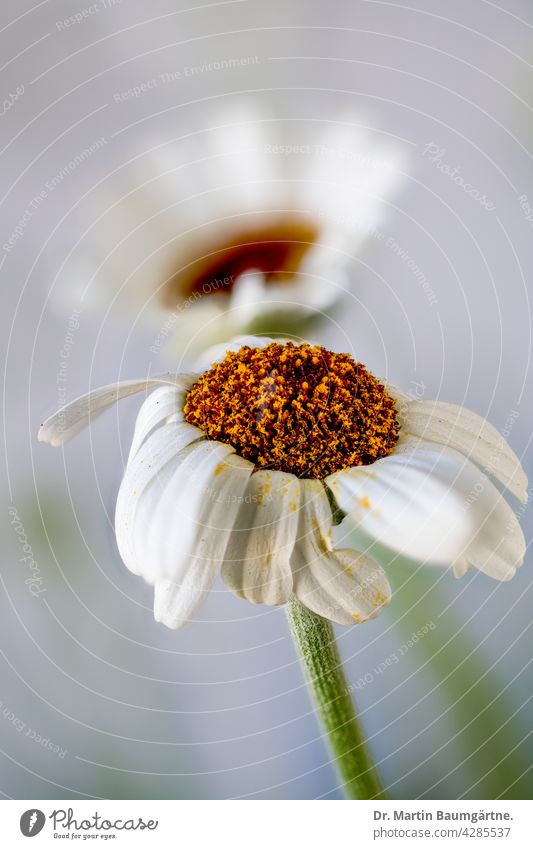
pixel 244 469
pixel 248 223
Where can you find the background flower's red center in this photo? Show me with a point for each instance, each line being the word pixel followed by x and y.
pixel 276 249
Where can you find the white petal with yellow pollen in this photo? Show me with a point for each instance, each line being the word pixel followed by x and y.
pixel 343 586
pixel 412 502
pixel 188 511
pixel 469 433
pixel 433 505
pixel 163 403
pixel 153 462
pixel 73 417
pixel 257 562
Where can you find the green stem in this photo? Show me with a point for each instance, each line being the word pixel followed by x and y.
pixel 316 642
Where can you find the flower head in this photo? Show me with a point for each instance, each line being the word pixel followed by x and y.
pixel 248 223
pixel 260 468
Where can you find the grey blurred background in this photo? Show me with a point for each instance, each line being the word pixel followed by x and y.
pixel 96 699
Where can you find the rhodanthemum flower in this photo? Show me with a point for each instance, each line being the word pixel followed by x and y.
pixel 245 469
pixel 249 222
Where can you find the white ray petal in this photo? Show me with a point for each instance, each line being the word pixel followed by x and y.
pixel 257 562
pixel 187 513
pixel 247 297
pixel 175 604
pixel 163 403
pixel 469 433
pixel 149 464
pixel 432 505
pixel 352 179
pixel 73 417
pixel 344 586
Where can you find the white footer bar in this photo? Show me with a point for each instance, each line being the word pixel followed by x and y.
pixel 266 824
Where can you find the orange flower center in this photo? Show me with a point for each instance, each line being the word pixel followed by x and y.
pixel 296 408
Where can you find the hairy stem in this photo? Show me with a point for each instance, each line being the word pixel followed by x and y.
pixel 318 650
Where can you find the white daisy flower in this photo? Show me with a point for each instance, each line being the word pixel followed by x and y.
pixel 250 222
pixel 247 469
